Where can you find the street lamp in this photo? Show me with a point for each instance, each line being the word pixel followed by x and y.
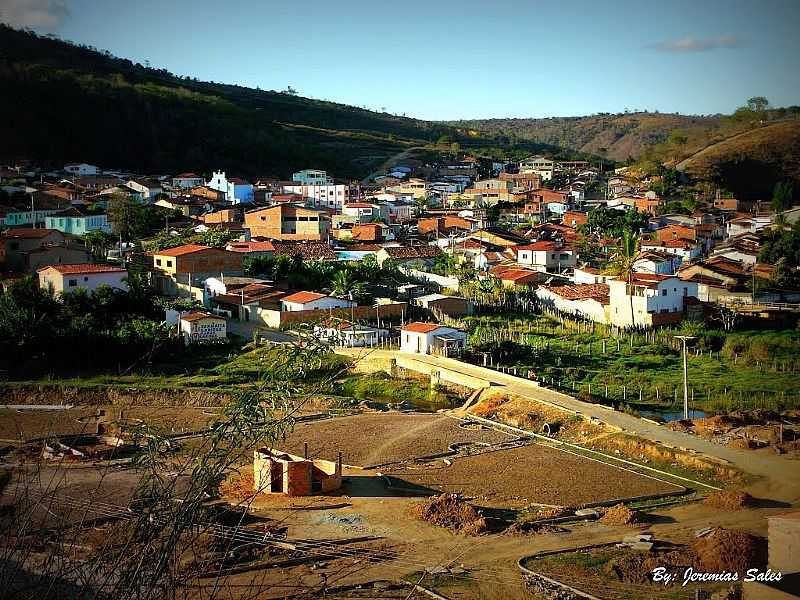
pixel 684 339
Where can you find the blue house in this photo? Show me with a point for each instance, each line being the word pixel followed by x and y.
pixel 75 222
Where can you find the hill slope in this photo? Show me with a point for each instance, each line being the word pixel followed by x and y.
pixel 64 102
pixel 749 163
pixel 622 136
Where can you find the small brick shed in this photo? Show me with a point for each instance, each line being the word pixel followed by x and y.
pixel 277 472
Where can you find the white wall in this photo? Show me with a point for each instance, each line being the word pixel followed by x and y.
pixel 50 279
pixel 326 303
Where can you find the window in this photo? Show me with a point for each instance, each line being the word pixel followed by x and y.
pixel 86 279
pixel 664 292
pixel 158 262
pixel 72 282
pixel 169 263
pixel 685 292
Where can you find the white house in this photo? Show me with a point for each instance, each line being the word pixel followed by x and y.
pixel 200 326
pixel 546 256
pixel 311 177
pixel 540 165
pixel 655 300
pixel 64 279
pixel 589 275
pixel 327 195
pixel 313 301
pixel 148 188
pixel 237 191
pixel 430 338
pixel 685 250
pixel 588 301
pixel 187 180
pixel 661 263
pixel 82 169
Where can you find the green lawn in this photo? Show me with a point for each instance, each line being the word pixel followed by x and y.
pixel 744 370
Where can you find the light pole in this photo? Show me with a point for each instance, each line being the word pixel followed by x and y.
pixel 684 339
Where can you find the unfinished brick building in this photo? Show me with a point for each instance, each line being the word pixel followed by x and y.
pixel 277 472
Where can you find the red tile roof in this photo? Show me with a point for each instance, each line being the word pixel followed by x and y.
pixel 303 297
pixel 595 291
pixel 540 245
pixel 198 315
pixel 250 247
pixel 181 250
pixel 28 233
pixel 421 327
pixel 84 268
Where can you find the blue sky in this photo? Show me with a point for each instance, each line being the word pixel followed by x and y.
pixel 444 59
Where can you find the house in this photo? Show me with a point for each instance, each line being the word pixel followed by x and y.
pixel 522 181
pixel 649 300
pixel 68 253
pixel 148 188
pixel 202 327
pixel 516 278
pixel 661 263
pixel 587 301
pixel 417 188
pixel 349 335
pixel 184 265
pixel 330 195
pixel 430 338
pixel 726 204
pixel 313 301
pixel 541 166
pixel 414 257
pixel 741 225
pixel 718 278
pixel 64 279
pixel 311 177
pixel 15 244
pixel 686 250
pixel 288 222
pixel 277 472
pixel 82 169
pixel 590 275
pixel 439 304
pixel 365 212
pixel 187 180
pixel 649 203
pixel 546 255
pixel 251 249
pixel 573 218
pixel 237 191
pixel 75 222
pixel 368 232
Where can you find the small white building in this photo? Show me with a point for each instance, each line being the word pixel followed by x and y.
pixel 590 275
pixel 546 256
pixel 64 279
pixel 430 338
pixel 82 169
pixel 313 301
pixel 588 300
pixel 201 327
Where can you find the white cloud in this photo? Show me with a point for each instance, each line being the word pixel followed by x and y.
pixel 35 14
pixel 693 44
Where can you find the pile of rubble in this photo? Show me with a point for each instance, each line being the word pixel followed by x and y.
pixel 622 515
pixel 449 510
pixel 729 500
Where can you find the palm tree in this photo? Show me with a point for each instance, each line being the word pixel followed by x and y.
pixel 623 261
pixel 344 284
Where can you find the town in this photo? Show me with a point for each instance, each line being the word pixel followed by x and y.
pixel 259 344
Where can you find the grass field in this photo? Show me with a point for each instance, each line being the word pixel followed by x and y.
pixel 740 370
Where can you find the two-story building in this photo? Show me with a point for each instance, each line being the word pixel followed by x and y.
pixel 311 177
pixel 184 267
pixel 546 255
pixel 648 300
pixel 75 222
pixel 288 222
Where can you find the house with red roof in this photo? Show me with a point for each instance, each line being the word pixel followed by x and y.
pixel 313 301
pixel 64 279
pixel 546 255
pixel 588 301
pixel 431 338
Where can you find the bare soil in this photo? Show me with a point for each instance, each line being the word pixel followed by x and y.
pixel 517 477
pixel 384 438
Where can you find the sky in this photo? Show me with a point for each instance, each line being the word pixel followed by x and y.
pixel 448 59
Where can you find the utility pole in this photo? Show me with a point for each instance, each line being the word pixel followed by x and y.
pixel 684 339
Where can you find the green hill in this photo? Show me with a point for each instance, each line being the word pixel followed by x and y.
pixel 64 102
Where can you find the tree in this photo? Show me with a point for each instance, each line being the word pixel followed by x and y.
pixel 344 284
pixel 98 242
pixel 782 196
pixel 623 261
pixel 126 216
pixel 758 104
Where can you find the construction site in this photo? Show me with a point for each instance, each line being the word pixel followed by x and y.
pixel 505 496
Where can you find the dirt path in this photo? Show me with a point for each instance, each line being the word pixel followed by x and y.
pixel 782 477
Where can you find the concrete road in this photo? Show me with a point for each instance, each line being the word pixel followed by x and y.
pixel 783 473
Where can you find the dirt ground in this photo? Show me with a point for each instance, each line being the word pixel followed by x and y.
pixel 517 477
pixel 383 438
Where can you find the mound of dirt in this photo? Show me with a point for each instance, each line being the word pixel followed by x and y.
pixel 552 512
pixel 729 500
pixel 729 550
pixel 532 528
pixel 742 444
pixel 239 487
pixel 448 510
pixel 622 515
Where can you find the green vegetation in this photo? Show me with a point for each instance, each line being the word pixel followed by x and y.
pixel 380 387
pixel 734 370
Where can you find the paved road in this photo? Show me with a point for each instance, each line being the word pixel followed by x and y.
pixel 783 473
